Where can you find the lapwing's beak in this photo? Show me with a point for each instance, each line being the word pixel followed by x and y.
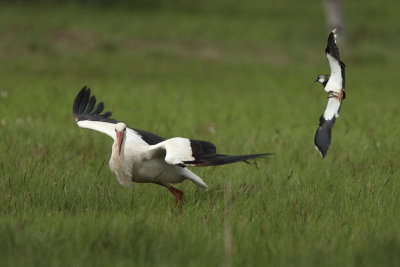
pixel 316 80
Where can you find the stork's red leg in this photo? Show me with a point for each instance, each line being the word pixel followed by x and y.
pixel 178 194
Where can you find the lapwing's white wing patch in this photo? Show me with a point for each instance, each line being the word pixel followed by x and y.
pixel 335 80
pixel 332 108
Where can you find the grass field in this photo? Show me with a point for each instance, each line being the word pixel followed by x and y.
pixel 238 75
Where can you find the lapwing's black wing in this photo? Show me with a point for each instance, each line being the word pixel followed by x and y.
pixel 331 47
pixel 342 67
pixel 89 115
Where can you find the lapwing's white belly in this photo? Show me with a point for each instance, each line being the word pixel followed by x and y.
pixel 333 85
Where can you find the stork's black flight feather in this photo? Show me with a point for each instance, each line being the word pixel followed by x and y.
pixel 85 108
pixel 220 159
pixel 205 154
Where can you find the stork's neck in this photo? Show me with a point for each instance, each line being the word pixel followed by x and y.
pixel 119 164
pixel 115 153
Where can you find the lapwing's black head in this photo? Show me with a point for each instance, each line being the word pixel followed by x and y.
pixel 322 78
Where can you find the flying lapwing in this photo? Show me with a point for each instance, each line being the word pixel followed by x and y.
pixel 334 85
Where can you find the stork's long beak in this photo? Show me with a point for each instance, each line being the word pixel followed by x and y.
pixel 120 138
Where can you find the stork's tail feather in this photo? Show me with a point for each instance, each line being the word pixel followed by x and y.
pixel 195 179
pixel 322 139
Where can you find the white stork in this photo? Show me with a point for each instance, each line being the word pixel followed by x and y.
pixel 143 157
pixel 335 86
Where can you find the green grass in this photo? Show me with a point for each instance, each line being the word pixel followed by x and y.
pixel 240 76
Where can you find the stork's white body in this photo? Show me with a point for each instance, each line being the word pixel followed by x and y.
pixel 135 164
pixel 143 163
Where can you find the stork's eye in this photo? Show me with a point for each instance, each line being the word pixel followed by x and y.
pixel 115 130
pixel 124 129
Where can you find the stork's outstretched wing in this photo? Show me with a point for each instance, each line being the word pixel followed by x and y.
pixel 187 152
pixel 88 115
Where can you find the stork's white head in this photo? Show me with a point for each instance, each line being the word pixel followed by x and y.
pixel 120 129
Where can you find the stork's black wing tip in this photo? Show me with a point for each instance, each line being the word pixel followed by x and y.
pixel 84 108
pixel 205 154
pixel 220 159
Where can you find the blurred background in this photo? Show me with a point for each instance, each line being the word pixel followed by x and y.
pixel 217 49
pixel 154 49
pixel 237 73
